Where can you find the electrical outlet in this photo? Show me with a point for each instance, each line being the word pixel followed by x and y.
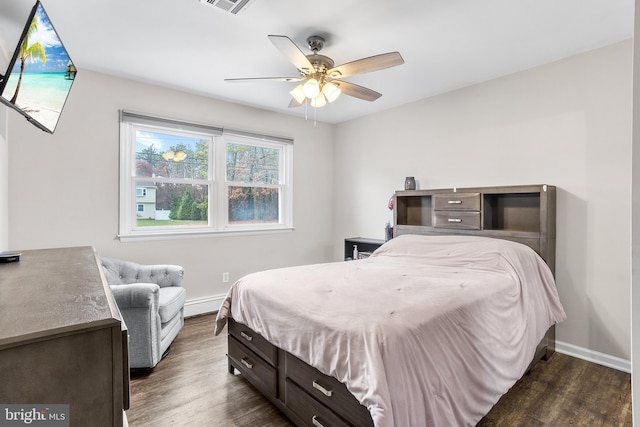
pixel 225 277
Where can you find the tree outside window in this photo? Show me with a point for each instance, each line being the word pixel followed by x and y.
pixel 253 174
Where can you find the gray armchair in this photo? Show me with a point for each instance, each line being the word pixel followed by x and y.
pixel 151 301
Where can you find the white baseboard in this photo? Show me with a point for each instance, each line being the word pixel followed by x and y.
pixel 198 306
pixel 594 356
pixel 212 304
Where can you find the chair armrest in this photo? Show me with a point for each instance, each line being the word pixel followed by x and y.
pixel 136 295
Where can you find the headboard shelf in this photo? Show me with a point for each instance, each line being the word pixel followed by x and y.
pixel 414 210
pixel 515 211
pixel 521 213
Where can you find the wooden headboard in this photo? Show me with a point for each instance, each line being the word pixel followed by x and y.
pixel 522 213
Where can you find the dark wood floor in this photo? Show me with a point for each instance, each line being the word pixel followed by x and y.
pixel 192 387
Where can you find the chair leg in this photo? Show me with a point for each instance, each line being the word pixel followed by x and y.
pixel 165 352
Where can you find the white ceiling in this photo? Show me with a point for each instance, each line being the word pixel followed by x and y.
pixel 446 44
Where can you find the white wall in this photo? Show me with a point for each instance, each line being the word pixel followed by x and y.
pixel 4 181
pixel 635 225
pixel 64 187
pixel 567 124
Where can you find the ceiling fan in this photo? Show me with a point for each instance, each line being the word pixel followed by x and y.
pixel 319 77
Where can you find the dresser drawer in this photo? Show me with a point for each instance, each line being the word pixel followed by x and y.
pixel 457 202
pixel 327 390
pixel 457 220
pixel 254 341
pixel 312 412
pixel 262 375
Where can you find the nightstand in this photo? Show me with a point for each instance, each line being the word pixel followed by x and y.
pixel 365 246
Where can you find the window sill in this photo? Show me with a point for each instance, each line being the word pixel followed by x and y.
pixel 194 234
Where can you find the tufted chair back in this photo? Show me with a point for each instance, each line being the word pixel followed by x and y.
pixel 119 272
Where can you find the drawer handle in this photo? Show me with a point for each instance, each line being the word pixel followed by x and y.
pixel 246 336
pixel 246 363
pixel 455 202
pixel 315 421
pixel 321 389
pixel 454 220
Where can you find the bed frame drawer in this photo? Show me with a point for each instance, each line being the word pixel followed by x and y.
pixel 312 412
pixel 327 390
pixel 255 342
pixel 457 220
pixel 457 202
pixel 262 375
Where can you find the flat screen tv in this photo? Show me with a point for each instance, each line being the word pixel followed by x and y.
pixel 40 73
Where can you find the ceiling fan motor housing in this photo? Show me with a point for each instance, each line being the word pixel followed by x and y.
pixel 320 62
pixel 315 43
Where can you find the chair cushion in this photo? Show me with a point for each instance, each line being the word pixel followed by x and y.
pixel 171 300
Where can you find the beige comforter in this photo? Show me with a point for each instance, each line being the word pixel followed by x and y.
pixel 428 331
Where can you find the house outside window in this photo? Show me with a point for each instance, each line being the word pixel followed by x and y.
pixel 179 178
pixel 146 201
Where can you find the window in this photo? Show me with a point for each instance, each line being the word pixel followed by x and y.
pixel 253 182
pixel 179 178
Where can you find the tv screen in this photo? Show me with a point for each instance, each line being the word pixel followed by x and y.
pixel 40 73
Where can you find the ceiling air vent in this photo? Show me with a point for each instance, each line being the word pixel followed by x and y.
pixel 231 6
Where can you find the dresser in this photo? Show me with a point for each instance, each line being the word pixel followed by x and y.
pixel 62 340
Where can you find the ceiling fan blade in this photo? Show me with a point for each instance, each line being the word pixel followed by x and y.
pixel 365 65
pixel 274 79
pixel 356 91
pixel 292 52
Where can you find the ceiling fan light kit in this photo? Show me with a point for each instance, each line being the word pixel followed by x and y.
pixel 298 94
pixel 331 91
pixel 311 88
pixel 318 101
pixel 318 80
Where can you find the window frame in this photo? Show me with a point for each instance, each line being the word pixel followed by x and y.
pixel 218 186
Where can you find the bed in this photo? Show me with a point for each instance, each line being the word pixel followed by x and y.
pixel 431 329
